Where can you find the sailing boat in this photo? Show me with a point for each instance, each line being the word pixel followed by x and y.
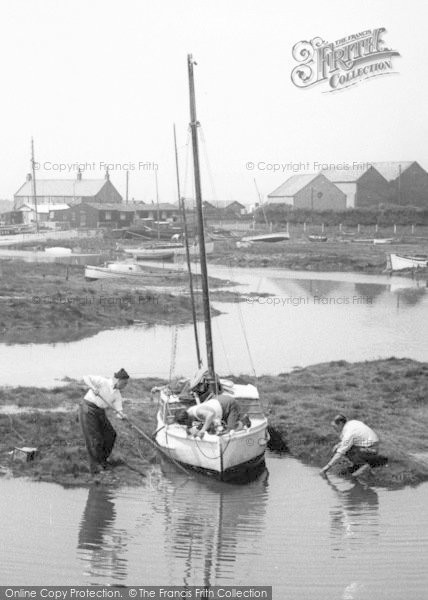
pixel 224 454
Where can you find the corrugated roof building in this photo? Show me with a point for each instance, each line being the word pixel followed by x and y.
pixel 313 191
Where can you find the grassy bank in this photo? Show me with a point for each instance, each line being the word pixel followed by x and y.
pixel 389 395
pixel 53 427
pixel 54 303
pixel 317 256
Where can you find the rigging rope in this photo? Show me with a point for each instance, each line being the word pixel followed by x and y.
pixel 244 332
pixel 173 352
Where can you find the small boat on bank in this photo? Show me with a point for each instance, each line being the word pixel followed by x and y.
pixel 317 238
pixel 267 237
pixel 155 253
pixel 399 262
pixel 166 251
pixel 377 241
pixel 113 270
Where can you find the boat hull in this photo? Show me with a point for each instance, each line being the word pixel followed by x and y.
pixel 113 271
pixel 397 262
pixel 269 237
pixel 317 238
pixel 222 456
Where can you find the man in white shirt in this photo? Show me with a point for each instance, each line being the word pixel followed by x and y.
pixel 358 443
pixel 98 431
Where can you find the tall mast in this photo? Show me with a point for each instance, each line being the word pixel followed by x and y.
pixel 33 168
pixel 201 234
pixel 157 203
pixel 186 241
pixel 127 186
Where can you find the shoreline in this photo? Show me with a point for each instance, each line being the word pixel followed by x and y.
pixel 389 395
pixel 50 303
pixel 330 256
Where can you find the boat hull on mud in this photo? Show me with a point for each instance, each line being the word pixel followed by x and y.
pixel 113 271
pixel 398 262
pixel 268 237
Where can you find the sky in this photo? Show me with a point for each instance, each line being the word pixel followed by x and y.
pixel 104 81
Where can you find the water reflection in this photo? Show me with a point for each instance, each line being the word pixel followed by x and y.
pixel 101 545
pixel 355 517
pixel 369 290
pixel 210 525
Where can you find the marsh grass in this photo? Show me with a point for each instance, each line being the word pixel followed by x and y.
pixel 53 303
pixel 389 395
pixel 303 255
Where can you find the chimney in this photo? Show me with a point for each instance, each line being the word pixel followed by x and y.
pixel 107 175
pixel 79 175
pixel 29 178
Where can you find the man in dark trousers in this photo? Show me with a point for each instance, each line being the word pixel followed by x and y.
pixel 98 431
pixel 358 442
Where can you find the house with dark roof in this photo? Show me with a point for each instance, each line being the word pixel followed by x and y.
pixel 313 191
pixel 99 214
pixel 67 191
pixel 408 182
pixel 364 186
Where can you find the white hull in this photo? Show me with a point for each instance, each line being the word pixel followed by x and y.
pixel 220 455
pixel 377 241
pixel 399 263
pixel 268 237
pixel 113 271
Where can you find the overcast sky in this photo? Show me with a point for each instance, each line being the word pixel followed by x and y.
pixel 104 80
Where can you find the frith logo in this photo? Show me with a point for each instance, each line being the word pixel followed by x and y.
pixel 342 63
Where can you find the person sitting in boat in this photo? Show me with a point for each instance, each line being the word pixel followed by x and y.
pixel 201 386
pixel 358 443
pixel 219 414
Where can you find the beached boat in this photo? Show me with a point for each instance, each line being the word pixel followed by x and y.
pixel 155 253
pixel 383 241
pixel 399 262
pixel 224 454
pixel 362 241
pixel 317 238
pixel 267 237
pixel 113 270
pixel 165 251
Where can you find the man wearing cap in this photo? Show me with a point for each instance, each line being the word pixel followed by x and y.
pixel 98 431
pixel 358 443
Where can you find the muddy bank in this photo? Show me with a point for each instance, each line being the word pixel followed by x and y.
pixel 389 395
pixel 57 435
pixel 302 255
pixel 42 303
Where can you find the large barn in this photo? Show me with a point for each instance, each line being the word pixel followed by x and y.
pixel 313 191
pixel 364 187
pixel 408 182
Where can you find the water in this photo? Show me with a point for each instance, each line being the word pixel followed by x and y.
pixel 308 538
pixel 317 317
